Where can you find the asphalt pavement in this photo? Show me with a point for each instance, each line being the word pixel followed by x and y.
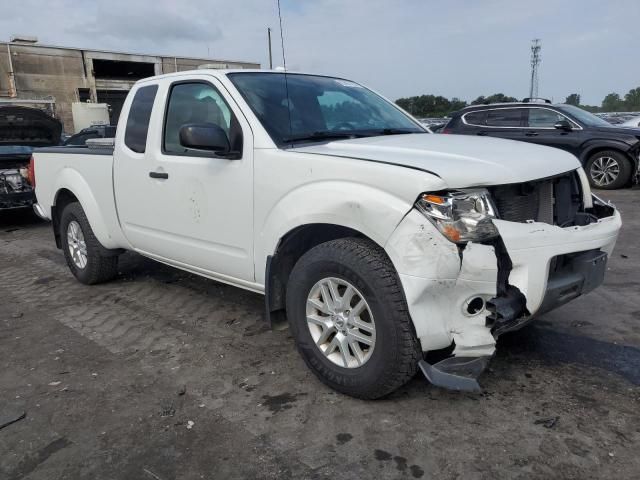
pixel 164 375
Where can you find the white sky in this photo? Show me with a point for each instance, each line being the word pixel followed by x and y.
pixel 457 48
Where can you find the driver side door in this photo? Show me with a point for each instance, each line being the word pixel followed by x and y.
pixel 199 204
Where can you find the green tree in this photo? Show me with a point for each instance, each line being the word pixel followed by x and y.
pixel 404 103
pixel 430 105
pixel 573 99
pixel 457 104
pixel 612 103
pixel 632 99
pixel 495 98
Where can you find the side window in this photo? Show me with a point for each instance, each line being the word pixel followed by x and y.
pixel 195 103
pixel 543 118
pixel 505 117
pixel 135 135
pixel 476 118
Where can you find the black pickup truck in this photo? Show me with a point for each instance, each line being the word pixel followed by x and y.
pixel 21 130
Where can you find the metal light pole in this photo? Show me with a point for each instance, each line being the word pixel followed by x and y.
pixel 13 93
pixel 535 62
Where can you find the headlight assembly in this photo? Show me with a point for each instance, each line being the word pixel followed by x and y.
pixel 462 215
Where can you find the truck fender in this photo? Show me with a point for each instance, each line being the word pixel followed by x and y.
pixel 370 211
pixel 72 181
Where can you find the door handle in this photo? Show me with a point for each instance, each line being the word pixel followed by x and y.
pixel 160 175
pixel 531 134
pixel 482 134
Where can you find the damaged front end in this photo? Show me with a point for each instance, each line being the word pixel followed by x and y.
pixel 488 261
pixel 15 190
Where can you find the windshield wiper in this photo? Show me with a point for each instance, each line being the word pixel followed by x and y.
pixel 321 136
pixel 337 135
pixel 398 131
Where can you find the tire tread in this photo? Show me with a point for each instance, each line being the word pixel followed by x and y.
pixel 100 267
pixel 379 268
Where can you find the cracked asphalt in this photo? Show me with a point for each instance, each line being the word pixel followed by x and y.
pixel 164 375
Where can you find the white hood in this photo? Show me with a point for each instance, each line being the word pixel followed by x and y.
pixel 461 161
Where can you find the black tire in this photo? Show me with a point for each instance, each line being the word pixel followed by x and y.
pixel 624 170
pixel 395 356
pixel 99 267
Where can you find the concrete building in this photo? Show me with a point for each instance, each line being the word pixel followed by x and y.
pixel 32 71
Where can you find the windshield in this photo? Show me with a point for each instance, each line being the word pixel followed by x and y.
pixel 319 108
pixel 584 117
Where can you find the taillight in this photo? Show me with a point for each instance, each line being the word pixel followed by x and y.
pixel 446 130
pixel 31 173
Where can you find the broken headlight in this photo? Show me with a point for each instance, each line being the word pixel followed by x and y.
pixel 462 215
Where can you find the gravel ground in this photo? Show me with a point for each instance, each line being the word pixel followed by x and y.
pixel 161 375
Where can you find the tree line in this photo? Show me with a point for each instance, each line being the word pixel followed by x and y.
pixel 439 106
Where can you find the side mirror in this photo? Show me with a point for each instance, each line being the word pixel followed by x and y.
pixel 205 136
pixel 563 125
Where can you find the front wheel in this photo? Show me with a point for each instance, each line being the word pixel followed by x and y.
pixel 350 320
pixel 84 255
pixel 608 170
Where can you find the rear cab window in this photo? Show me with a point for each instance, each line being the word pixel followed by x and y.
pixel 135 135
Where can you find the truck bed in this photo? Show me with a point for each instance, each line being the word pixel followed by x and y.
pixel 88 173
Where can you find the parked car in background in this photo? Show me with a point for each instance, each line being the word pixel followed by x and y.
pixel 376 240
pixel 21 130
pixel 633 122
pixel 617 118
pixel 609 154
pixel 436 127
pixel 95 131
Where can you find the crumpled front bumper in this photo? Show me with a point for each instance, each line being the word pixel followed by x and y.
pixel 442 283
pixel 16 200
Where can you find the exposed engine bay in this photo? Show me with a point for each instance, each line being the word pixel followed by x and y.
pixel 15 190
pixel 21 130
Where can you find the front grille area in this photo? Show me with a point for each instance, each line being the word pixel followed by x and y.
pixel 539 200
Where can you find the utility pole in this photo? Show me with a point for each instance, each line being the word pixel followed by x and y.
pixel 270 57
pixel 535 63
pixel 13 91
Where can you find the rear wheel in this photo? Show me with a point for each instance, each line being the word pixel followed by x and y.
pixel 608 170
pixel 84 255
pixel 349 318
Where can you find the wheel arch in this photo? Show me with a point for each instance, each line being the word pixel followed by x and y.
pixel 618 147
pixel 81 193
pixel 291 247
pixel 63 197
pixel 601 146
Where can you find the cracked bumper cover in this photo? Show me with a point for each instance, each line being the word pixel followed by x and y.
pixel 549 266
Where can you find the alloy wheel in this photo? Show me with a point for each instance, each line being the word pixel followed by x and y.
pixel 604 171
pixel 77 244
pixel 340 322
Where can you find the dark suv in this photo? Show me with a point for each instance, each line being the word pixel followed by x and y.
pixel 609 154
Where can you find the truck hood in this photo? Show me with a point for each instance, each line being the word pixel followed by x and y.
pixel 23 126
pixel 460 160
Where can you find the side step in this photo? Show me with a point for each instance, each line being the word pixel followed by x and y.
pixel 456 373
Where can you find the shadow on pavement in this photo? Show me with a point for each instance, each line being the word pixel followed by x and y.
pixel 548 345
pixel 17 219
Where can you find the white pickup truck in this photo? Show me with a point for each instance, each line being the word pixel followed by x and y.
pixel 377 240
